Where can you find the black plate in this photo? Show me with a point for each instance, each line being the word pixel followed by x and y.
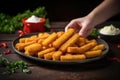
pixel 60 62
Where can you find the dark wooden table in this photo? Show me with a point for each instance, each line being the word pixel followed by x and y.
pixel 103 69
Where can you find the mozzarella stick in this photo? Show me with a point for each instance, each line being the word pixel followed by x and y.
pixel 63 38
pixel 21 46
pixel 48 56
pixel 40 41
pixel 22 40
pixel 43 35
pixel 73 57
pixel 99 47
pixel 90 54
pixel 33 49
pixel 81 41
pixel 50 39
pixel 43 52
pixel 92 40
pixel 73 50
pixel 28 40
pixel 60 33
pixel 56 55
pixel 69 42
pixel 33 36
pixel 81 49
pixel 40 35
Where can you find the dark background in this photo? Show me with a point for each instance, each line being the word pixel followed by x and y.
pixel 58 10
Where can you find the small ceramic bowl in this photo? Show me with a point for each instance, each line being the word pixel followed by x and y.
pixel 109 38
pixel 31 27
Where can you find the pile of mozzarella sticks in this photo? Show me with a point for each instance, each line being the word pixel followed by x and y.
pixel 60 46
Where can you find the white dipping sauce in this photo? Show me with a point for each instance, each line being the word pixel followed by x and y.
pixel 33 19
pixel 110 30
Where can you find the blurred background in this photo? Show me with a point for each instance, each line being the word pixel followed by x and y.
pixel 57 10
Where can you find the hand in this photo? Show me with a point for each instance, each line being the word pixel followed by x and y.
pixel 83 26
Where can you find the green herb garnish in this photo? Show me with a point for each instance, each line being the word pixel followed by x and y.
pixel 13 67
pixel 94 32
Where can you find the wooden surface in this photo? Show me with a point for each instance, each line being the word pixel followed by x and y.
pixel 103 69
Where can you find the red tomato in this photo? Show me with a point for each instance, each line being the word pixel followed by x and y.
pixel 21 33
pixel 118 46
pixel 4 44
pixel 7 52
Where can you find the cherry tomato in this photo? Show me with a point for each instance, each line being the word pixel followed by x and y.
pixel 7 52
pixel 3 45
pixel 118 46
pixel 21 33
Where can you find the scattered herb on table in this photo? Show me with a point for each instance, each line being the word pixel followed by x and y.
pixel 13 67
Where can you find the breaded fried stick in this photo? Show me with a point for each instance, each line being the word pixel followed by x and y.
pixel 32 49
pixel 63 38
pixel 50 39
pixel 73 57
pixel 90 54
pixel 81 49
pixel 43 52
pixel 69 42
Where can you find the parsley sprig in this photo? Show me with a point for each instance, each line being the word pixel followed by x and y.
pixel 94 32
pixel 13 67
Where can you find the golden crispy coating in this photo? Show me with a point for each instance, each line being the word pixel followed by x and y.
pixel 33 36
pixel 81 49
pixel 56 55
pixel 43 35
pixel 22 40
pixel 60 33
pixel 49 39
pixel 20 46
pixel 73 57
pixel 63 38
pixel 90 54
pixel 92 40
pixel 99 47
pixel 69 42
pixel 40 35
pixel 33 49
pixel 45 51
pixel 81 41
pixel 28 40
pixel 40 41
pixel 48 56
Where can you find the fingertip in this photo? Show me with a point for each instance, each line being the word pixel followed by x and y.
pixel 66 29
pixel 82 34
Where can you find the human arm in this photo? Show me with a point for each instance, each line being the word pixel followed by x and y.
pixel 101 13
